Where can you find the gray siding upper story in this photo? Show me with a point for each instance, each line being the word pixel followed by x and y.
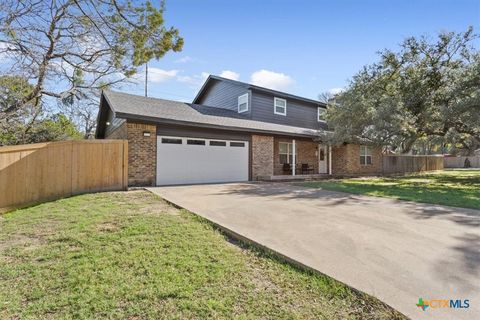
pixel 224 93
pixel 299 113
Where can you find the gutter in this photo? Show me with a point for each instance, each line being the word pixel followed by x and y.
pixel 213 126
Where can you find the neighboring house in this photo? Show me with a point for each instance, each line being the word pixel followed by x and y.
pixel 232 131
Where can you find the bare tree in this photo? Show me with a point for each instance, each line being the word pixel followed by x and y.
pixel 83 113
pixel 325 97
pixel 67 49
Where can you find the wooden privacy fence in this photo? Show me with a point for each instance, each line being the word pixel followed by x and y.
pixel 459 162
pixel 405 164
pixel 46 171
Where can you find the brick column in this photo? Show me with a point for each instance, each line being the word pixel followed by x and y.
pixel 142 154
pixel 262 156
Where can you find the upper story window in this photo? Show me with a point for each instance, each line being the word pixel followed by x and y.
pixel 243 103
pixel 365 155
pixel 280 106
pixel 321 114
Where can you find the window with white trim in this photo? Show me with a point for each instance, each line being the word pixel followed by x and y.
pixel 243 103
pixel 280 106
pixel 285 151
pixel 365 155
pixel 321 114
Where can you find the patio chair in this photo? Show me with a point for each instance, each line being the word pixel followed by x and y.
pixel 306 169
pixel 287 169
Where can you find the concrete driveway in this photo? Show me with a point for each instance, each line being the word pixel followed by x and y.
pixel 395 250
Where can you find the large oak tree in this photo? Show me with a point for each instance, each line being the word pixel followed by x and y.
pixel 428 89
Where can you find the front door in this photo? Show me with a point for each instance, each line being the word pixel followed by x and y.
pixel 322 158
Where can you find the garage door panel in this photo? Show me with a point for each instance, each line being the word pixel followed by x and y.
pixel 187 163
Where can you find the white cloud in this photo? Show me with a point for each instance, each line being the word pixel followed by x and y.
pixel 230 75
pixel 335 91
pixel 62 66
pixel 4 46
pixel 90 44
pixel 159 75
pixel 194 81
pixel 271 79
pixel 4 53
pixel 184 59
pixel 155 75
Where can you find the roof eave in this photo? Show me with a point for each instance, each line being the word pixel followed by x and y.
pixel 202 89
pixel 286 95
pixel 100 128
pixel 210 126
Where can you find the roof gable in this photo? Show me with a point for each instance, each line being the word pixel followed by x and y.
pixel 211 78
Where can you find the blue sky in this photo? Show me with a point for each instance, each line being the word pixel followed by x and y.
pixel 301 47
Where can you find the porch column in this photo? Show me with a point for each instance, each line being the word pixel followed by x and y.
pixel 294 157
pixel 330 160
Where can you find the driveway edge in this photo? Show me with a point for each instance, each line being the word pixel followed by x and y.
pixel 247 242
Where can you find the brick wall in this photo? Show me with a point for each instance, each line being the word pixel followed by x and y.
pixel 306 153
pixel 142 152
pixel 265 161
pixel 346 160
pixel 262 156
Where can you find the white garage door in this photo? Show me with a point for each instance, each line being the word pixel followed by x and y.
pixel 182 160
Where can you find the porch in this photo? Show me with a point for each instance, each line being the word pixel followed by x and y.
pixel 297 177
pixel 299 159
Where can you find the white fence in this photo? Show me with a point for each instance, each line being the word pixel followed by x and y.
pixel 459 162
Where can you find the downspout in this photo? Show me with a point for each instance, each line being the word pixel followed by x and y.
pixel 329 159
pixel 294 157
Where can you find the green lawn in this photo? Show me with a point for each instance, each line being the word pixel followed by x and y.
pixel 458 188
pixel 130 255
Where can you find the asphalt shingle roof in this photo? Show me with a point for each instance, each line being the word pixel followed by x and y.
pixel 137 107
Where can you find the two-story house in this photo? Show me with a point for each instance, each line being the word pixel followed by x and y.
pixel 232 131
